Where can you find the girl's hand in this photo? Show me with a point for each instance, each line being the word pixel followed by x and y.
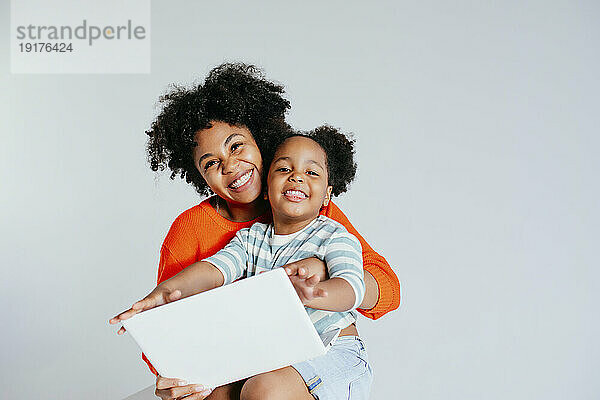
pixel 159 296
pixel 306 286
pixel 171 389
pixel 308 267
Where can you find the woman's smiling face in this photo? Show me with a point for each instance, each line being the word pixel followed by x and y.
pixel 229 160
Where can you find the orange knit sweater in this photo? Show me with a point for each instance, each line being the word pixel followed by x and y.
pixel 200 232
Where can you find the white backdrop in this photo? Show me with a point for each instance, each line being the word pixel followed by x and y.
pixel 477 128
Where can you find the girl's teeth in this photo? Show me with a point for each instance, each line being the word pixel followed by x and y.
pixel 295 193
pixel 242 179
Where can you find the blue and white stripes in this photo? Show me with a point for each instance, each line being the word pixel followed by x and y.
pixel 257 249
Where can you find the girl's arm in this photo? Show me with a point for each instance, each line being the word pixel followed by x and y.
pixel 338 295
pixel 198 277
pixel 345 288
pixel 381 282
pixel 312 266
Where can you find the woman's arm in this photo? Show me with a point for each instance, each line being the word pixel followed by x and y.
pixel 380 280
pixel 180 245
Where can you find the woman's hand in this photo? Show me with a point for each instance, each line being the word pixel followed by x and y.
pixel 171 389
pixel 159 296
pixel 308 267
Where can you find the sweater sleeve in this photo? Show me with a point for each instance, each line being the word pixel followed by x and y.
pixel 179 247
pixel 376 265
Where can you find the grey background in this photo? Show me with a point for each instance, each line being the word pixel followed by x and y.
pixel 477 127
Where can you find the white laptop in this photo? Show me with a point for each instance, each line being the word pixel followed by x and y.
pixel 251 326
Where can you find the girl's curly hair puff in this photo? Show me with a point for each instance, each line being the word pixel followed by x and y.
pixel 339 151
pixel 235 93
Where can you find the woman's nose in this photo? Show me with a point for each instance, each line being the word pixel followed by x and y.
pixel 229 165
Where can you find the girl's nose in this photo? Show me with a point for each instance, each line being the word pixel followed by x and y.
pixel 296 178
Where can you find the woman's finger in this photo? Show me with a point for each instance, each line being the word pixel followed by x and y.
pixel 198 396
pixel 179 391
pixel 121 331
pixel 165 383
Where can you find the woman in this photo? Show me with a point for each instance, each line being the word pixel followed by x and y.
pixel 216 137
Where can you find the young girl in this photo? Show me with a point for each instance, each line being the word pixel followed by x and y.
pixel 215 136
pixel 305 172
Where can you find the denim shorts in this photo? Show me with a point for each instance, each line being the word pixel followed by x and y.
pixel 343 373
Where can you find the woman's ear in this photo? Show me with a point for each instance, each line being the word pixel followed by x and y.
pixel 327 196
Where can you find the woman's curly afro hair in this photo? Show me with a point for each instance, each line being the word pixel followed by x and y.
pixel 339 151
pixel 235 93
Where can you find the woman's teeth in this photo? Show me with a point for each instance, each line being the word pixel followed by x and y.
pixel 295 193
pixel 241 180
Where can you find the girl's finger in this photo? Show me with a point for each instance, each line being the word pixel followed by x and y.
pixel 175 295
pixel 127 314
pixel 144 304
pixel 312 281
pixel 118 318
pixel 140 305
pixel 320 293
pixel 292 268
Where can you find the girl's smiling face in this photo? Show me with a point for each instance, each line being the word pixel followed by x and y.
pixel 298 182
pixel 230 162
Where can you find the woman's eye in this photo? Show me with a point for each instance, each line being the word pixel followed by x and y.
pixel 312 173
pixel 209 164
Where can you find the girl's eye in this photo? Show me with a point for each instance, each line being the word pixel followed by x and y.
pixel 282 169
pixel 235 146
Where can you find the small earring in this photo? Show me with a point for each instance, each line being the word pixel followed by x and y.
pixel 266 196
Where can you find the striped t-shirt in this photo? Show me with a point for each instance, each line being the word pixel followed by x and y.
pixel 257 249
